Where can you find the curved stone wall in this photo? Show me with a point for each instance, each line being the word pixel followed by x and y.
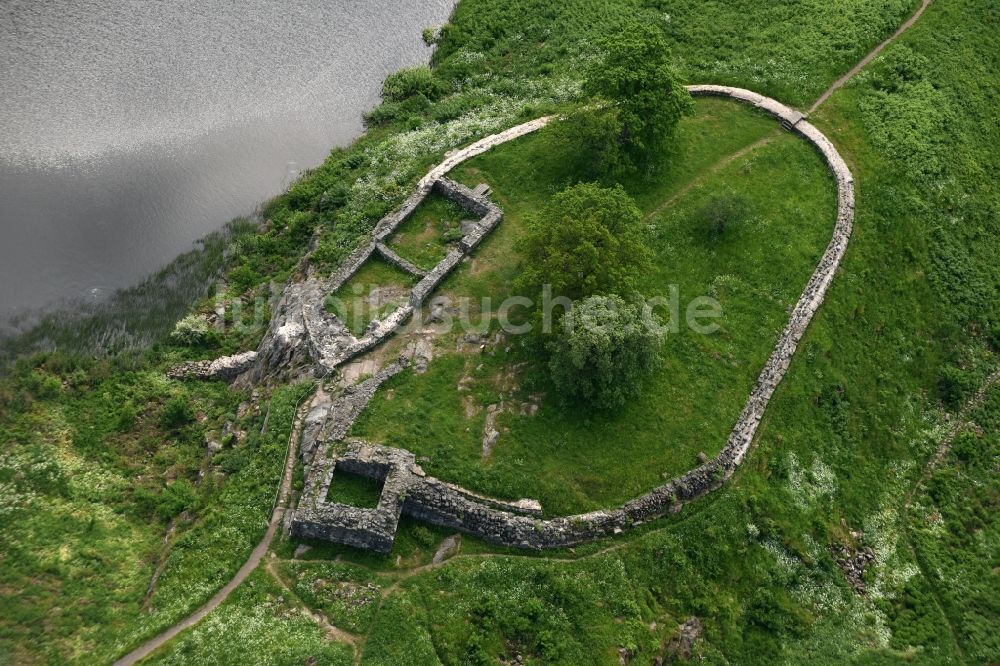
pixel 435 501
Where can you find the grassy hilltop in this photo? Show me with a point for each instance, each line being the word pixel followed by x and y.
pixel 128 498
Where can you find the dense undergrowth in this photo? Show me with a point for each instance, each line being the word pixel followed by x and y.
pixel 100 458
pixel 260 623
pixel 94 471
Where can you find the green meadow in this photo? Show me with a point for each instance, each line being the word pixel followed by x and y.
pixel 129 499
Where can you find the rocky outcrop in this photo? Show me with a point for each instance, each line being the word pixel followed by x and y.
pixel 853 562
pixel 681 645
pixel 312 428
pixel 226 368
pixel 448 548
pixel 286 343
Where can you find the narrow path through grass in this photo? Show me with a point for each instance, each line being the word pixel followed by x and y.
pixel 853 71
pixel 277 516
pixel 711 171
pixel 334 632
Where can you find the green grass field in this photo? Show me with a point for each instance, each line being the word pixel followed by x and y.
pixel 430 232
pixel 107 478
pixel 354 490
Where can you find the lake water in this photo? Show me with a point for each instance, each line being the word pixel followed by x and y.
pixel 131 128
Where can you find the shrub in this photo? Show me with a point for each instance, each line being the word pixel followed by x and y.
pixel 411 81
pixel 993 338
pixel 334 197
pixel 900 67
pixel 424 537
pixel 954 386
pixel 177 497
pixel 968 448
pixel 234 461
pixel 126 417
pixel 354 160
pixel 176 413
pixel 191 330
pixel 42 385
pixel 605 346
pixel 722 212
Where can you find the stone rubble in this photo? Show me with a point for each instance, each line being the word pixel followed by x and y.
pixel 226 368
pixel 853 562
pixel 681 644
pixel 447 549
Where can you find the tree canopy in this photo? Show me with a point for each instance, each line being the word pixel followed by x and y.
pixel 586 240
pixel 604 347
pixel 641 100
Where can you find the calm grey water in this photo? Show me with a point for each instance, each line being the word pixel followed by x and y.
pixel 130 128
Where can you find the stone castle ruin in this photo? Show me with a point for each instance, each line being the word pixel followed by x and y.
pixel 301 328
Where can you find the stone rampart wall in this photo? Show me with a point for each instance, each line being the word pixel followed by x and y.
pixel 435 501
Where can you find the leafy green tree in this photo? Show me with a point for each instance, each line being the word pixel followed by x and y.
pixel 589 139
pixel 586 240
pixel 603 349
pixel 640 99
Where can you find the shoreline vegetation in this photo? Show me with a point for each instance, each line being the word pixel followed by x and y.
pixel 131 318
pixel 128 499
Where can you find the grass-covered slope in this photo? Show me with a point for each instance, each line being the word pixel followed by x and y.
pixel 117 518
pixel 98 459
pixel 260 623
pixel 909 324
